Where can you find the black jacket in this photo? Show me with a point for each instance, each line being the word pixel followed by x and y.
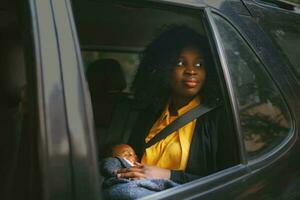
pixel 213 144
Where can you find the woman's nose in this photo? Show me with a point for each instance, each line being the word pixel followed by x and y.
pixel 190 69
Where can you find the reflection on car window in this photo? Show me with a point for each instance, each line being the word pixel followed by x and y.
pixel 288 40
pixel 265 120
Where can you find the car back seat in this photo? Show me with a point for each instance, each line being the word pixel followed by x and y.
pixel 113 108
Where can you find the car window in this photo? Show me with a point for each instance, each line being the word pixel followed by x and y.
pixel 264 116
pixel 283 28
pixel 115 41
pixel 119 40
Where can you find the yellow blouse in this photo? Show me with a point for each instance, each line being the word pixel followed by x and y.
pixel 171 152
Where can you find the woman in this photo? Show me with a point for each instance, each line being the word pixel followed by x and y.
pixel 175 75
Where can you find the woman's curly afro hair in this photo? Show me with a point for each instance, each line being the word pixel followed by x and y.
pixel 158 60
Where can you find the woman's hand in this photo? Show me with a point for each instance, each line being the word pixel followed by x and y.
pixel 144 171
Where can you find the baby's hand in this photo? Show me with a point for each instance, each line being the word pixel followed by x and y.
pixel 116 171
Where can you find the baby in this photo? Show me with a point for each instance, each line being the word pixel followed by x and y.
pixel 120 156
pixel 123 156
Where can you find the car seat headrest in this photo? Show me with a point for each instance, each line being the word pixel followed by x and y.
pixel 105 75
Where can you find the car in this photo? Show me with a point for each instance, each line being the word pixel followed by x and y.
pixel 54 128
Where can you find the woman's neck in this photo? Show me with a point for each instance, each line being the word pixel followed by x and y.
pixel 176 103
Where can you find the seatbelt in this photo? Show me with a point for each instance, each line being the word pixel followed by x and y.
pixel 181 121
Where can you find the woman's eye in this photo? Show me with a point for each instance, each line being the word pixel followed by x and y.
pixel 180 63
pixel 198 64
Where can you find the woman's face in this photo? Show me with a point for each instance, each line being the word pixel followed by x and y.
pixel 188 75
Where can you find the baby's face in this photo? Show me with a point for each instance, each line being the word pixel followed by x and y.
pixel 124 151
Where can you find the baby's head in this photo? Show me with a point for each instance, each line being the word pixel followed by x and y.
pixel 124 151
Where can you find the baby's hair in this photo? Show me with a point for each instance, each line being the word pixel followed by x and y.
pixel 106 150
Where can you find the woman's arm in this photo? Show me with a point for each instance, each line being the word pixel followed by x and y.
pixel 153 172
pixel 144 171
pixel 180 176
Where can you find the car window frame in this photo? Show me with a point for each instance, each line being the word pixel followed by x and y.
pixel 236 172
pixel 220 178
pixel 205 185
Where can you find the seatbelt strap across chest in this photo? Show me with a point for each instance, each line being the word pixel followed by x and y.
pixel 181 121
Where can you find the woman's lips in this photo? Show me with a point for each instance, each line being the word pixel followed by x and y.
pixel 191 83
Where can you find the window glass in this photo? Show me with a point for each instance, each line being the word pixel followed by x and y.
pixel 287 37
pixel 264 117
pixel 283 28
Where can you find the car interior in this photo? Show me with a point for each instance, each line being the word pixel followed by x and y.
pixel 112 40
pixel 115 40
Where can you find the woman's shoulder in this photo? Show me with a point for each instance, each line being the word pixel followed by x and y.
pixel 215 105
pixel 216 114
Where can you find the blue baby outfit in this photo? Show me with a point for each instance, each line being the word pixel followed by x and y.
pixel 119 188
